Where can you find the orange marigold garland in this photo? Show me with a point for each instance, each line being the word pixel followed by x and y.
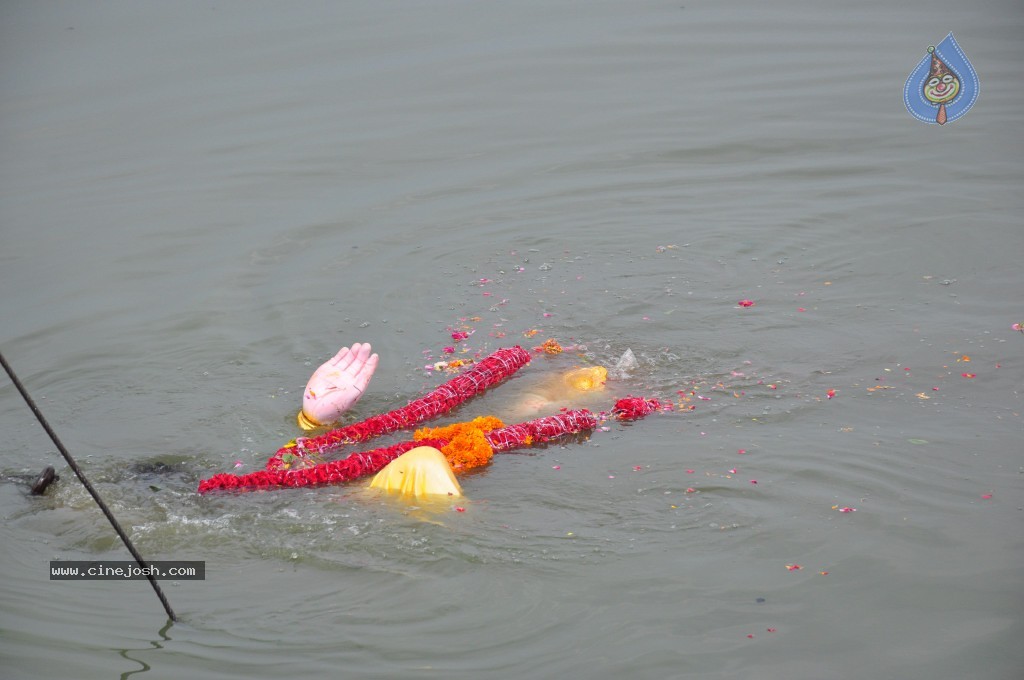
pixel 467 445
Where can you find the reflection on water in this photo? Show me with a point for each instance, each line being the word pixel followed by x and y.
pixel 155 644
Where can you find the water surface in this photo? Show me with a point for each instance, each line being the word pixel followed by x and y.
pixel 200 203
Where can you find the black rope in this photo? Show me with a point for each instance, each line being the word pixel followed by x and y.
pixel 88 487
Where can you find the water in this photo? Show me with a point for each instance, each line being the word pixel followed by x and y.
pixel 201 202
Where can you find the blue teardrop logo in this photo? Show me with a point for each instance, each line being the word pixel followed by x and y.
pixel 943 87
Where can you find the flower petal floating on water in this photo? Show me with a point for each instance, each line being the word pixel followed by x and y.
pixel 746 303
pixel 968 375
pixel 549 346
pixel 794 567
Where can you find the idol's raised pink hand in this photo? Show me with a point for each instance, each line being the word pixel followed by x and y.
pixel 338 384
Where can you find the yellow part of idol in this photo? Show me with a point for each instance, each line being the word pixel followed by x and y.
pixel 418 473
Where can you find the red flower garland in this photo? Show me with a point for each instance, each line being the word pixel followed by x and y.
pixel 369 462
pixel 541 430
pixel 634 408
pixel 336 472
pixel 488 372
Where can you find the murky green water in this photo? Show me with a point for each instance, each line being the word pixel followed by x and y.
pixel 202 202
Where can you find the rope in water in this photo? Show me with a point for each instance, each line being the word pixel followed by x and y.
pixel 88 487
